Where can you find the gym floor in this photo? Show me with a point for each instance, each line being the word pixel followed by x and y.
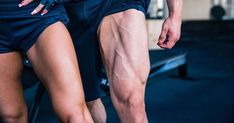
pixel 205 96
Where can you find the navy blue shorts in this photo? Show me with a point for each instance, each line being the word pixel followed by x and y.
pixel 19 30
pixel 85 17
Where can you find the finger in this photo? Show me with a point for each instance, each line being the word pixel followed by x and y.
pixel 47 7
pixel 38 9
pixel 163 36
pixel 171 42
pixel 25 2
pixel 164 46
pixel 45 11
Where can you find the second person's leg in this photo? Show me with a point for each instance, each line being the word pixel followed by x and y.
pixel 54 60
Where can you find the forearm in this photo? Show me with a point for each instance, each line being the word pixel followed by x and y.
pixel 175 8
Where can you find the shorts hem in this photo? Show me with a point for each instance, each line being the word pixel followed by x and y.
pixel 40 30
pixel 5 51
pixel 137 7
pixel 93 98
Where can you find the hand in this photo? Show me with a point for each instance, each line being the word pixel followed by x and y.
pixel 43 7
pixel 170 33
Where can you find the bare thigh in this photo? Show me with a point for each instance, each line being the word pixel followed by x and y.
pixel 12 104
pixel 124 49
pixel 53 59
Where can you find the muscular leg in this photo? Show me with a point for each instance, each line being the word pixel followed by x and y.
pixel 124 48
pixel 97 111
pixel 12 105
pixel 54 60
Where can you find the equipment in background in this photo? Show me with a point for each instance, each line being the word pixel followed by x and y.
pixel 157 9
pixel 217 12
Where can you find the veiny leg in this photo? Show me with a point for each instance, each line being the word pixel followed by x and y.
pixel 124 48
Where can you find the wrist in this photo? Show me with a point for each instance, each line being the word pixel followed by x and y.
pixel 175 8
pixel 175 17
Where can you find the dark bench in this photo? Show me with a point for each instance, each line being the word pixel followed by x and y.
pixel 164 60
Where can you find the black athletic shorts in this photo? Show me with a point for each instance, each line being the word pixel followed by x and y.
pixel 85 17
pixel 19 30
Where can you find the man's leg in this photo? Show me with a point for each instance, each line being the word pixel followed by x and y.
pixel 124 48
pixel 12 105
pixel 53 59
pixel 97 110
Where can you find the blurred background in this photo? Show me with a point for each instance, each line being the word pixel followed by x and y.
pixel 193 82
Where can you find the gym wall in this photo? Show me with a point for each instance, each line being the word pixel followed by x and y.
pixel 197 9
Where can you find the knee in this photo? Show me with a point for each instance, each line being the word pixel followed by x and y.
pixel 74 113
pixel 132 102
pixel 13 115
pixel 130 95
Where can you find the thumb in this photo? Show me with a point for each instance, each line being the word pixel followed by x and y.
pixel 163 35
